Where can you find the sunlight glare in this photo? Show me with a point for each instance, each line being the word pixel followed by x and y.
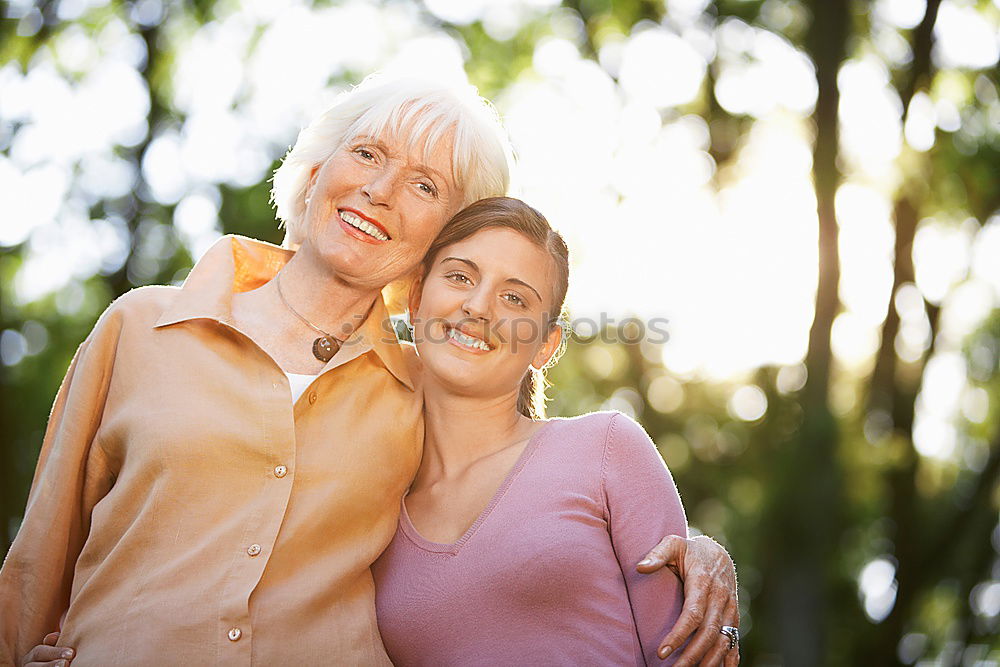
pixel 905 14
pixel 854 340
pixel 660 68
pixel 965 38
pixel 196 220
pixel 748 403
pixel 761 72
pixel 163 168
pixel 986 256
pixel 941 258
pixel 941 390
pixel 870 112
pixel 877 586
pixel 921 122
pixel 866 242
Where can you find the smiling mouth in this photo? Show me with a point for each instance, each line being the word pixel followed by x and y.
pixel 363 225
pixel 466 340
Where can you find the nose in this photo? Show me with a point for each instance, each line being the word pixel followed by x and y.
pixel 477 305
pixel 380 186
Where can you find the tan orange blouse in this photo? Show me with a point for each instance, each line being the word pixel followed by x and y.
pixel 185 512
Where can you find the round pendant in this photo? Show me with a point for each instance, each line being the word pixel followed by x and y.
pixel 325 347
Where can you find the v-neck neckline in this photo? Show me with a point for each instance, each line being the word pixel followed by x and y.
pixel 440 547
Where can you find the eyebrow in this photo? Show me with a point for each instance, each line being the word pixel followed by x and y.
pixel 475 267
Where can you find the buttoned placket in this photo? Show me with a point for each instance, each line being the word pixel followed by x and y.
pixel 277 423
pixel 279 435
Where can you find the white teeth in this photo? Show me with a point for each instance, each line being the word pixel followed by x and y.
pixel 365 226
pixel 469 341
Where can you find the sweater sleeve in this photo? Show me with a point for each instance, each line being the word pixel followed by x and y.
pixel 71 476
pixel 643 506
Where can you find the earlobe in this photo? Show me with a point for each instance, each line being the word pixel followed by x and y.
pixel 548 349
pixel 311 183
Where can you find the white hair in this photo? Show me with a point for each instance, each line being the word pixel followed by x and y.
pixel 481 158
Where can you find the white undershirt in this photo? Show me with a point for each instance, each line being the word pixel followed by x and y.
pixel 298 383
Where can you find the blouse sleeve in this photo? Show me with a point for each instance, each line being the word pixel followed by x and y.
pixel 71 476
pixel 643 507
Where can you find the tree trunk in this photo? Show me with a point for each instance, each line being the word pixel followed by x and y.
pixel 895 394
pixel 808 528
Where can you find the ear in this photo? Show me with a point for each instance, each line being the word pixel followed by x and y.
pixel 311 183
pixel 549 347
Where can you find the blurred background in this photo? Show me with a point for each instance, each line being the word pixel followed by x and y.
pixel 807 191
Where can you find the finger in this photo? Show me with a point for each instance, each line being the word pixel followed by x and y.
pixel 669 552
pixel 707 636
pixel 51 639
pixel 701 594
pixel 719 651
pixel 703 640
pixel 48 655
pixel 732 656
pixel 42 653
pixel 687 623
pixel 51 663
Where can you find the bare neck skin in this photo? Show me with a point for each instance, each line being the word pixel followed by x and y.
pixel 317 294
pixel 462 431
pixel 470 445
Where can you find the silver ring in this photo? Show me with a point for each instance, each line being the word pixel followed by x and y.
pixel 732 633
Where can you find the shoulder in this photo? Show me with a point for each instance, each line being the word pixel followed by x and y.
pixel 143 300
pixel 627 432
pixel 589 428
pixel 628 442
pixel 603 426
pixel 601 433
pixel 619 439
pixel 136 309
pixel 142 303
pixel 139 307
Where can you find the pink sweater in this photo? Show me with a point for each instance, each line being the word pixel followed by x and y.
pixel 546 574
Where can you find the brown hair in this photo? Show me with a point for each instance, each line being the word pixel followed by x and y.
pixel 510 213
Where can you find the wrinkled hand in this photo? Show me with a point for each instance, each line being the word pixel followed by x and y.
pixel 47 654
pixel 710 602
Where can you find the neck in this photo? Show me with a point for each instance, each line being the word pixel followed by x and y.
pixel 321 297
pixel 326 301
pixel 460 430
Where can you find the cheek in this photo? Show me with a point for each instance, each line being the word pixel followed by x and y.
pixel 425 234
pixel 423 333
pixel 525 335
pixel 426 220
pixel 428 317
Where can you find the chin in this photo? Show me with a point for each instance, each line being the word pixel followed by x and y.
pixel 466 377
pixel 349 265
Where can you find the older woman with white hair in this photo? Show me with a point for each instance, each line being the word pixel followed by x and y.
pixel 224 460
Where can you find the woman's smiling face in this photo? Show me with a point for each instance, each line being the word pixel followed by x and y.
pixel 376 204
pixel 484 313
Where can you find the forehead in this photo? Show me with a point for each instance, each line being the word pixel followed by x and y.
pixel 425 136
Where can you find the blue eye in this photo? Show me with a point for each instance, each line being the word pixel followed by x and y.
pixel 459 278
